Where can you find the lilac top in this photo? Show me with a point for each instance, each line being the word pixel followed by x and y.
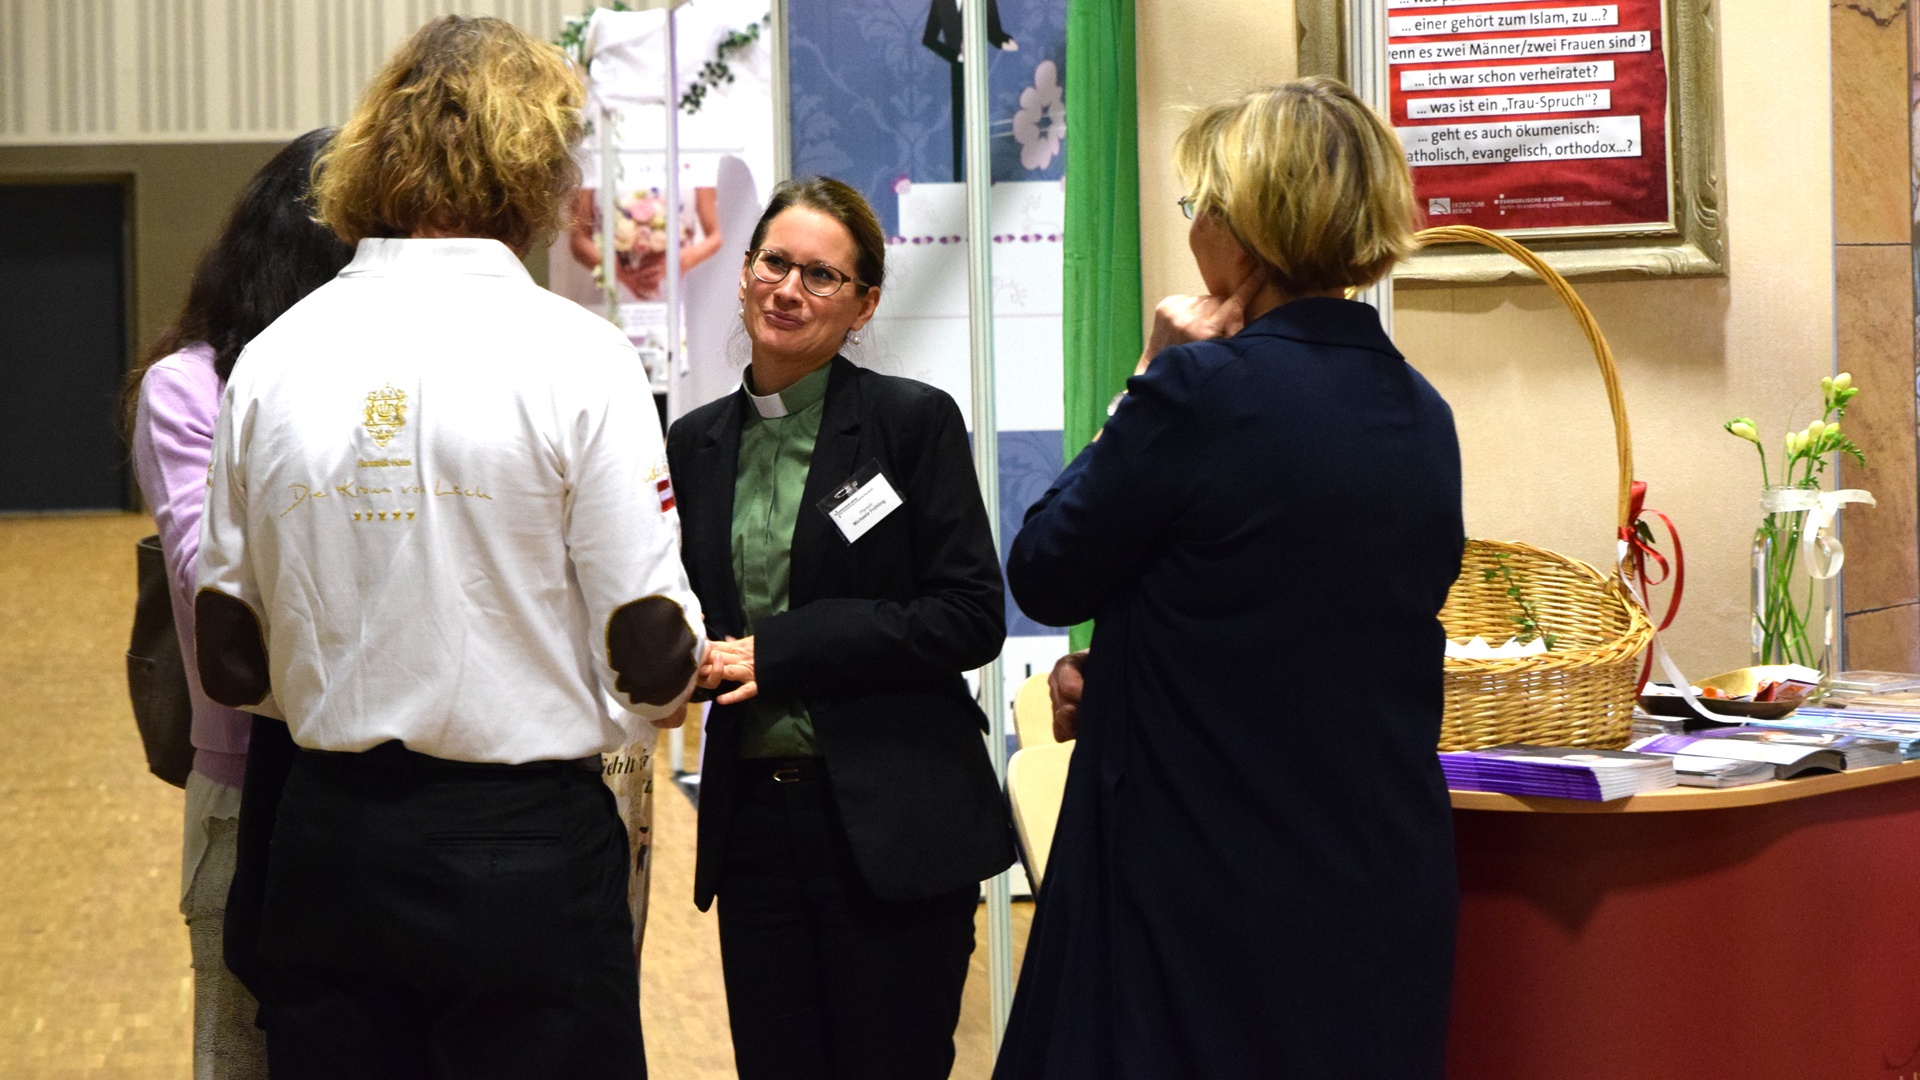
pixel 172 451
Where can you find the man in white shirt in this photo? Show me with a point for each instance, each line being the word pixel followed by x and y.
pixel 439 539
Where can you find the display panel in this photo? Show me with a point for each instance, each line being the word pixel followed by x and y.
pixel 876 99
pixel 1532 116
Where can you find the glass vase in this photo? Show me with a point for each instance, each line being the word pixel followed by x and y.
pixel 1794 621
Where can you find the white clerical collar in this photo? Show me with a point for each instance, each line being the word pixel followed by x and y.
pixel 804 394
pixel 769 406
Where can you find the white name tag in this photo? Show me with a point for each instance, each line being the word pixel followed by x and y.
pixel 862 502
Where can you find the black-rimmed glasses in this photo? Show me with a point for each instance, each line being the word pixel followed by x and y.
pixel 817 278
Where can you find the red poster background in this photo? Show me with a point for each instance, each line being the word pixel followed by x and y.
pixel 1552 194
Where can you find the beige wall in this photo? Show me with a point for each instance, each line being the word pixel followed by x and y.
pixel 181 195
pixel 1535 437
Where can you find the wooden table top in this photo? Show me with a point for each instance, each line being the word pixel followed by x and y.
pixel 1692 798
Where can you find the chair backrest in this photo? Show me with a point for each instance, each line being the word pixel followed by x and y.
pixel 1033 713
pixel 1036 781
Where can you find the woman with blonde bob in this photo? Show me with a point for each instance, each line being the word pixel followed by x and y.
pixel 1247 882
pixel 434 543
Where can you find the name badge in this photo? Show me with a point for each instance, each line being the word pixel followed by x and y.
pixel 862 502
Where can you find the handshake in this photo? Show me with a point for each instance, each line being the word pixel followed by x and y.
pixel 731 661
pixel 728 661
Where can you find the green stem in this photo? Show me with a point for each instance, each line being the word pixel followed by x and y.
pixel 1784 622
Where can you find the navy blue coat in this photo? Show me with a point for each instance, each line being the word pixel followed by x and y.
pixel 1253 873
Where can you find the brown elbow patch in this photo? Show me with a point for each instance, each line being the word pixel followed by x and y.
pixel 230 649
pixel 650 648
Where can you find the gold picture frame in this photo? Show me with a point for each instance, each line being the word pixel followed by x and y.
pixel 1694 245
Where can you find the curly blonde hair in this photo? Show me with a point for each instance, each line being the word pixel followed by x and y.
pixel 467 130
pixel 1307 178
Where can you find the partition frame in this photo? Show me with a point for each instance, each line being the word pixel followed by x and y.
pixel 986 463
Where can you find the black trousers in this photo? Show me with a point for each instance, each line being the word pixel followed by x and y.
pixel 270 756
pixel 426 918
pixel 824 981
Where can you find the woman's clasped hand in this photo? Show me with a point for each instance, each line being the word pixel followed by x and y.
pixel 729 661
pixel 1178 320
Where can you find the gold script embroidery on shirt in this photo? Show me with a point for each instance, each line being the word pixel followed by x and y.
pixel 301 493
pixel 386 414
pixel 456 489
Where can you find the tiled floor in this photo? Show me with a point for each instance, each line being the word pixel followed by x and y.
pixel 93 956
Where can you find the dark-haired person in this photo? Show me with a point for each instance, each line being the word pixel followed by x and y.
pixel 835 533
pixel 268 255
pixel 438 539
pixel 1222 902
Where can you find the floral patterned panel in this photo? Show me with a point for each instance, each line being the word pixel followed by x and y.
pixel 872 92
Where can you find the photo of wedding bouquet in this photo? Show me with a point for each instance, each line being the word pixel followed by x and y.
pixel 640 241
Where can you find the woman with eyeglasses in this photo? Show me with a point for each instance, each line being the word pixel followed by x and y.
pixel 834 532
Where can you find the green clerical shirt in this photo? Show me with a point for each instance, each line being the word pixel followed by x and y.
pixel 776 449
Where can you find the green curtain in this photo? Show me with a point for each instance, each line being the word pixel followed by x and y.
pixel 1102 241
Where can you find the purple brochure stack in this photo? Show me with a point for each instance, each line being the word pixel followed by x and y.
pixel 1565 772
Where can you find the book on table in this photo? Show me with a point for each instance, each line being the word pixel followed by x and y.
pixel 1708 772
pixel 1874 682
pixel 1564 772
pixel 1791 752
pixel 1902 731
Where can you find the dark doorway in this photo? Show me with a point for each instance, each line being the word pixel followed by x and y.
pixel 63 346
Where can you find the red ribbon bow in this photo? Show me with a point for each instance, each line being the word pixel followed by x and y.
pixel 1639 551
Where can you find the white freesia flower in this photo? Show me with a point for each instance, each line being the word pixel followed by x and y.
pixel 1042 120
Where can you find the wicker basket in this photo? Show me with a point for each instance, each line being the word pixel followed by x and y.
pixel 1581 692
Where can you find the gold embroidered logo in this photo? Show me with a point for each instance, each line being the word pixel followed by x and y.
pixel 386 414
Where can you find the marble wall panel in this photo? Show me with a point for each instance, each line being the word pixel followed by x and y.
pixel 1871 193
pixel 1873 300
pixel 1884 640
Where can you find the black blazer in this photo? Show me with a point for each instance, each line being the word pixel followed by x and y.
pixel 875 637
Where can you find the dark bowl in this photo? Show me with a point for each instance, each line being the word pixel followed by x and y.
pixel 1663 705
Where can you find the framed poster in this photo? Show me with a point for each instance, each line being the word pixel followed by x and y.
pixel 1588 130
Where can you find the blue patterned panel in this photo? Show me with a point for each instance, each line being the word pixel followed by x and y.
pixel 872 105
pixel 1029 461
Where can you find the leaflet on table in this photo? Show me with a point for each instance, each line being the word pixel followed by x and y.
pixel 1886 706
pixel 1902 731
pixel 1876 682
pixel 1801 750
pixel 1708 772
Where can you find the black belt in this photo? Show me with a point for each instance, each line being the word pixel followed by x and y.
pixel 783 770
pixel 394 754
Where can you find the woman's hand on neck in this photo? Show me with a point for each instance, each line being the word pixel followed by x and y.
pixel 1181 319
pixel 1178 320
pixel 1267 297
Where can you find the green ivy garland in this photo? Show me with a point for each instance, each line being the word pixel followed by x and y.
pixel 713 74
